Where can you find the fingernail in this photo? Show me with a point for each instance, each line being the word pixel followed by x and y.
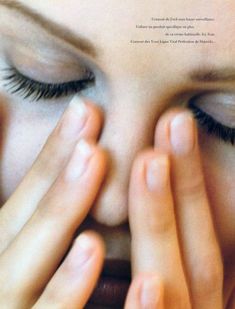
pixel 83 251
pixel 151 293
pixel 182 133
pixel 157 173
pixel 74 119
pixel 79 161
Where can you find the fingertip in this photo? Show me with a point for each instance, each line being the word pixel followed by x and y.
pixel 157 173
pixel 88 249
pixel 83 251
pixel 73 282
pixel 94 113
pixel 97 164
pixel 182 134
pixel 96 239
pixel 162 130
pixel 95 119
pixel 96 109
pixel 141 164
pixel 149 184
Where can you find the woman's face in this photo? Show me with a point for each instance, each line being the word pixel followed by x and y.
pixel 135 84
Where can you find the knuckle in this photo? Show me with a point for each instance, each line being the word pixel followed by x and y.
pixel 195 188
pixel 51 208
pixel 96 116
pixel 161 224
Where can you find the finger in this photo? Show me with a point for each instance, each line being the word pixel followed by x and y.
pixel 199 244
pixel 79 120
pixel 146 292
pixel 155 246
pixel 41 244
pixel 74 281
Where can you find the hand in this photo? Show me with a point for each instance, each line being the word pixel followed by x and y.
pixel 176 259
pixel 38 222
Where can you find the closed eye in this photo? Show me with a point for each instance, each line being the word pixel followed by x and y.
pixel 17 83
pixel 212 126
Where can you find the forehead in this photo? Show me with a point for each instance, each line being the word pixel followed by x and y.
pixel 111 25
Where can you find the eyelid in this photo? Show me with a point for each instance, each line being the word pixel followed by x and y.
pixel 48 72
pixel 220 106
pixel 225 98
pixel 29 88
pixel 212 126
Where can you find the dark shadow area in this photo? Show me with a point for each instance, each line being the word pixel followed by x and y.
pixel 4 119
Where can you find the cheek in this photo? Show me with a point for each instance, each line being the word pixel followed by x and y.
pixel 25 132
pixel 219 169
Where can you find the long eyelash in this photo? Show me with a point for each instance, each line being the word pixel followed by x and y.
pixel 17 83
pixel 212 126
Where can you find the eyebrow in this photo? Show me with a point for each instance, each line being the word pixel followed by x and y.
pixel 226 74
pixel 51 27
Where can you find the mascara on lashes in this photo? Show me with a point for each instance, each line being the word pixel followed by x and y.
pixel 17 83
pixel 212 126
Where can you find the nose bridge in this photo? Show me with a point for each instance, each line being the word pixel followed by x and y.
pixel 127 121
pixel 127 130
pixel 129 127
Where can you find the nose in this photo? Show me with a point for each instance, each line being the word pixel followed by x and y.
pixel 128 129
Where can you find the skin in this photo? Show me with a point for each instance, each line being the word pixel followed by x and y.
pixel 182 230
